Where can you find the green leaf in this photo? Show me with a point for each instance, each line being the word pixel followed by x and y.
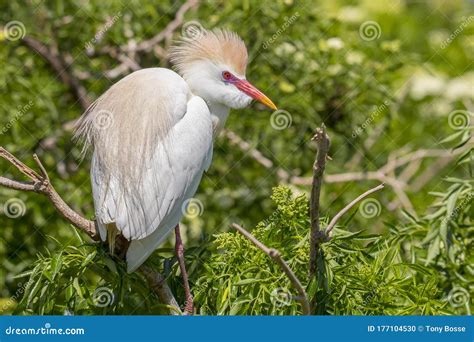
pixel 433 250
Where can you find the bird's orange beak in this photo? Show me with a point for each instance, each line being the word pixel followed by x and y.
pixel 254 93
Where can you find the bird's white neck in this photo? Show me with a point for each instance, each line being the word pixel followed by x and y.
pixel 219 114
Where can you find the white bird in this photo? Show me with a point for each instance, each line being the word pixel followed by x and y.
pixel 152 138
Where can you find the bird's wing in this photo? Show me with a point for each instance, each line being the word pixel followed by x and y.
pixel 148 197
pixel 180 172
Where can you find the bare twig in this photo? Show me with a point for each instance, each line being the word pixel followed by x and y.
pixel 258 156
pixel 40 183
pixel 276 256
pixel 243 145
pixel 158 283
pixel 147 45
pixel 336 218
pixel 385 173
pixel 59 66
pixel 322 140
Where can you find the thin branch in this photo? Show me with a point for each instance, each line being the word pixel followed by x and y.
pixel 41 184
pixel 336 218
pixel 276 256
pixel 59 66
pixel 322 140
pixel 148 45
pixel 399 185
pixel 244 146
pixel 158 283
pixel 41 167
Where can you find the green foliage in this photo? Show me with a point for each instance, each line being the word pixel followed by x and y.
pixel 378 98
pixel 84 280
pixel 240 279
pixel 412 269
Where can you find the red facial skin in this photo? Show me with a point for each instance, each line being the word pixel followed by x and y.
pixel 246 87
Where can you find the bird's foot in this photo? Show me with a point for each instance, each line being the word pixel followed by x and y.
pixel 189 306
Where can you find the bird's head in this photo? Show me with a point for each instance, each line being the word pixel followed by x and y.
pixel 213 64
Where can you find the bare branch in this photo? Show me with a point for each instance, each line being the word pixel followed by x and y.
pixel 41 184
pixel 158 283
pixel 147 45
pixel 386 173
pixel 17 185
pixel 336 218
pixel 59 66
pixel 41 167
pixel 276 256
pixel 323 142
pixel 254 153
pixel 243 145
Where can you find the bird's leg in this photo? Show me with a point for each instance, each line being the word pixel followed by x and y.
pixel 179 247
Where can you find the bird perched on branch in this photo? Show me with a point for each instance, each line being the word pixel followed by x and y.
pixel 152 137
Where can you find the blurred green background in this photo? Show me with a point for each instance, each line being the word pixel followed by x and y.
pixel 384 76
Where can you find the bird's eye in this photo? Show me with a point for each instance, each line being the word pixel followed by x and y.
pixel 226 75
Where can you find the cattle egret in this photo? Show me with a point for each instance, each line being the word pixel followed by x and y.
pixel 152 137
